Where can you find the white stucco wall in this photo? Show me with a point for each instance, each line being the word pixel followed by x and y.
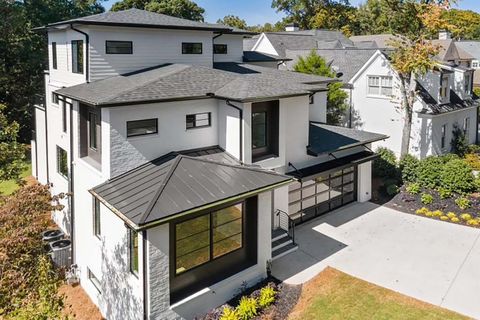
pixel 210 297
pixel 318 110
pixel 264 45
pixel 234 44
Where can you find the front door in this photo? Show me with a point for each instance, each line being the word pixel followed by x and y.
pixel 312 198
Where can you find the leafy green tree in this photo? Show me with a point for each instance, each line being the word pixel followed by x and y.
pixel 233 21
pixel 303 11
pixel 185 9
pixel 464 24
pixel 372 18
pixel 12 152
pixel 335 16
pixel 268 27
pixel 336 97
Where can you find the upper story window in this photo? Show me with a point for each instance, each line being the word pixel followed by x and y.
pixel 191 48
pixel 264 129
pixel 444 87
pixel 54 55
pixel 199 120
pixel 97 228
pixel 91 134
pixel 142 127
pixel 475 64
pixel 220 49
pixel 118 47
pixel 466 127
pixel 62 162
pixel 64 116
pixel 311 99
pixel 468 83
pixel 54 98
pixel 380 86
pixel 77 56
pixel 443 137
pixel 208 237
pixel 133 251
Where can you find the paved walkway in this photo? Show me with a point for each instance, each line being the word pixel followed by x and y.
pixel 430 260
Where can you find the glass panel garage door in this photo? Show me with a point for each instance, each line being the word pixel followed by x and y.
pixel 315 197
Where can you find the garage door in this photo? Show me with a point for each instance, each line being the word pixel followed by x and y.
pixel 312 198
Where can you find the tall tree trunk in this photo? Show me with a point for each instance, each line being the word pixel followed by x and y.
pixel 408 98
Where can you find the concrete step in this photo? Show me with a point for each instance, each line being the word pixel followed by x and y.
pixel 276 254
pixel 282 242
pixel 278 234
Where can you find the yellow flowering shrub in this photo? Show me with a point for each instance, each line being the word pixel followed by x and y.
pixel 451 215
pixel 473 222
pixel 466 216
pixel 437 213
pixel 422 211
pixel 454 219
pixel 444 218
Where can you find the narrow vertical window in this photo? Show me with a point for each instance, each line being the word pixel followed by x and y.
pixel 92 130
pixel 97 229
pixel 62 162
pixel 64 116
pixel 444 136
pixel 77 56
pixel 94 280
pixel 466 127
pixel 54 55
pixel 133 251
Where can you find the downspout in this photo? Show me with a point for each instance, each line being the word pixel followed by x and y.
pixel 351 109
pixel 145 284
pixel 240 115
pixel 46 141
pixel 87 50
pixel 213 46
pixel 34 125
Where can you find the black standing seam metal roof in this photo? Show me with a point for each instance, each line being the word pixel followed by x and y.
pixel 435 108
pixel 324 139
pixel 180 182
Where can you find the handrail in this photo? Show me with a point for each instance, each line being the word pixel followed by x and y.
pixel 290 228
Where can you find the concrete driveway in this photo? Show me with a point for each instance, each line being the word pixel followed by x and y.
pixel 430 260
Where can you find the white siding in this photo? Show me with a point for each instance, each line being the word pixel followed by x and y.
pixel 264 45
pixel 151 47
pixel 234 48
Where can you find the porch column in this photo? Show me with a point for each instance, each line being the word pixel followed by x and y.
pixel 280 202
pixel 364 187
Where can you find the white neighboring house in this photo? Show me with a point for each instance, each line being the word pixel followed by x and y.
pixel 472 47
pixel 187 167
pixel 445 97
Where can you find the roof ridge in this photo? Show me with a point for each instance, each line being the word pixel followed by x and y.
pixel 159 192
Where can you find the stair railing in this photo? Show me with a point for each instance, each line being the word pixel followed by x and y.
pixel 285 222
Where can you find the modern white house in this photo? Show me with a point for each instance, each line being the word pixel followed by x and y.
pixel 187 168
pixel 445 97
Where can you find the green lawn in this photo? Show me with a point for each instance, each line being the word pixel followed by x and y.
pixel 9 186
pixel 336 295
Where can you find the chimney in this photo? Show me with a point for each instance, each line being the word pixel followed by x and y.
pixel 444 35
pixel 292 27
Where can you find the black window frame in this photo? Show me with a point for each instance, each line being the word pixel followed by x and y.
pixel 216 46
pixel 192 119
pixel 133 251
pixel 271 111
pixel 311 99
pixel 55 98
pixel 188 47
pixel 92 130
pixel 443 137
pixel 62 168
pixel 112 42
pixel 77 51
pixel 94 280
pixel 97 222
pixel 140 121
pixel 54 56
pixel 64 115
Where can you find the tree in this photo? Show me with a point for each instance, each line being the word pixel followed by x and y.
pixel 23 52
pixel 12 153
pixel 372 17
pixel 464 24
pixel 413 22
pixel 185 9
pixel 303 11
pixel 268 27
pixel 336 96
pixel 233 21
pixel 335 16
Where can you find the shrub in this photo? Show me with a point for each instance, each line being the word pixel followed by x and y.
pixel 463 203
pixel 444 218
pixel 466 216
pixel 473 148
pixel 473 160
pixel 429 172
pixel 422 211
pixel 408 166
pixel 473 222
pixel 457 177
pixel 413 188
pixel 247 308
pixel 459 142
pixel 444 193
pixel 228 313
pixel 267 296
pixel 451 215
pixel 392 189
pixel 427 199
pixel 454 219
pixel 386 165
pixel 437 213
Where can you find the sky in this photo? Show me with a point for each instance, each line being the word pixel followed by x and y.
pixel 260 11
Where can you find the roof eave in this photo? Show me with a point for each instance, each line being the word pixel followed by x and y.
pixel 346 147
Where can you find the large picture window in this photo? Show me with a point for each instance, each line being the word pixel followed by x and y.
pixel 142 127
pixel 207 237
pixel 118 47
pixel 191 48
pixel 77 56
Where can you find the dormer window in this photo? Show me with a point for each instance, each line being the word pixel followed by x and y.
pixel 444 88
pixel 380 86
pixel 468 82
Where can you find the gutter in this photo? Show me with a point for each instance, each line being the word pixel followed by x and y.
pixel 240 115
pixel 71 186
pixel 144 270
pixel 46 141
pixel 87 51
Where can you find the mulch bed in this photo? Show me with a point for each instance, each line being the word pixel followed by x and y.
pixel 286 299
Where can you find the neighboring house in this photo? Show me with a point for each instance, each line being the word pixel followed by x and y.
pixel 445 97
pixel 187 168
pixel 472 48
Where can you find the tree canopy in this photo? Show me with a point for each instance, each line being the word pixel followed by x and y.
pixel 233 21
pixel 185 9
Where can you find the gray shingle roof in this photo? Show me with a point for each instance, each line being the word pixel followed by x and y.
pixel 347 61
pixel 255 56
pixel 381 40
pixel 434 108
pixel 472 47
pixel 179 182
pixel 142 18
pixel 325 138
pixel 234 81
